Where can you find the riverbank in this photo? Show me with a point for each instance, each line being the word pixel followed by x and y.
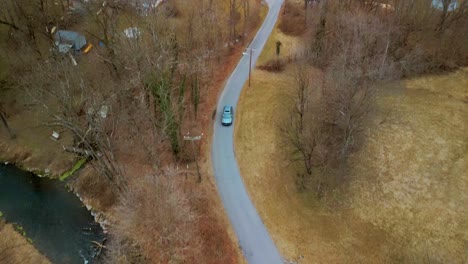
pixel 31 147
pixel 15 248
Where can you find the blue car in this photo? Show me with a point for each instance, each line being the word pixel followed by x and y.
pixel 228 116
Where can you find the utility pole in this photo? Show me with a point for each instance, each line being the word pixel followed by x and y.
pixel 250 65
pixel 250 61
pixel 192 139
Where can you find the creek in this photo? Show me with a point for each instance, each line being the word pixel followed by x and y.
pixel 54 218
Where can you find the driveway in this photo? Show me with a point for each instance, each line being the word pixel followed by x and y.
pixel 256 244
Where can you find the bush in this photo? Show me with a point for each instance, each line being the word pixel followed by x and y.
pixel 274 65
pixel 156 213
pixel 293 20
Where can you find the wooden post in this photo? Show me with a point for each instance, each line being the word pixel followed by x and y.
pixel 250 65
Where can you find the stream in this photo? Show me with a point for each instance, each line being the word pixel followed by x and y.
pixel 54 219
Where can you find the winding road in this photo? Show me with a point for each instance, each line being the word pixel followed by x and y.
pixel 256 244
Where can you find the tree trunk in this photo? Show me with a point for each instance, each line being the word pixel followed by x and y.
pixel 443 18
pixel 4 120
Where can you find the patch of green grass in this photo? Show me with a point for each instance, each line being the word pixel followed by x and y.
pixel 19 229
pixel 77 166
pixel 22 232
pixel 1 214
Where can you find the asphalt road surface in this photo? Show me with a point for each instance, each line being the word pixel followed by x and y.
pixel 256 244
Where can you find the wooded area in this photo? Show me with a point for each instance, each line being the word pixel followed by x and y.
pixel 127 104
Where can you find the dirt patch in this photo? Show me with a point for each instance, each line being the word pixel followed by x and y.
pixel 15 248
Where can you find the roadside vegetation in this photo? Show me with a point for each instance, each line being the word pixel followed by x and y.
pixel 355 131
pixel 125 107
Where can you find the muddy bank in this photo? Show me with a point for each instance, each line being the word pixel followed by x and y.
pixel 50 163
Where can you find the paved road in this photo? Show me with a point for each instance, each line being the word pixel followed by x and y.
pixel 256 244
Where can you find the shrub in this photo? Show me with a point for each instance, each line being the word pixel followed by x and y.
pixel 274 65
pixel 293 20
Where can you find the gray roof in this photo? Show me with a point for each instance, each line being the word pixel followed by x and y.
pixel 439 5
pixel 66 40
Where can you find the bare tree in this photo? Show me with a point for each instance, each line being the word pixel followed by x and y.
pixel 155 211
pixel 325 130
pixel 32 19
pixel 125 105
pixel 77 105
pixel 239 10
pixel 447 17
pixel 303 132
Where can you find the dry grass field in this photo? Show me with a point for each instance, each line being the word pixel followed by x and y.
pixel 406 200
pixel 412 173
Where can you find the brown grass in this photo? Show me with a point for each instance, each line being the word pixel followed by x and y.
pixel 289 46
pixel 32 147
pixel 407 200
pixel 218 241
pixel 414 183
pixel 298 224
pixel 14 248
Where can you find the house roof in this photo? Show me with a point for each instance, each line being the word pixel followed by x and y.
pixel 438 4
pixel 65 40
